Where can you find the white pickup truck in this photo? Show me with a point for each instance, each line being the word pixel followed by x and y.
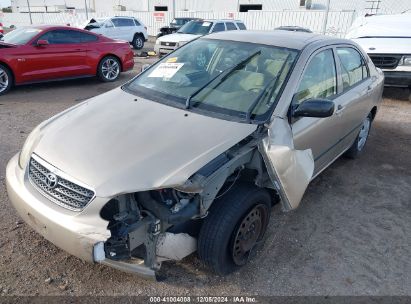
pixel 387 40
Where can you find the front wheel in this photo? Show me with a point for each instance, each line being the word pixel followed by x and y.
pixel 235 225
pixel 138 42
pixel 361 139
pixel 109 69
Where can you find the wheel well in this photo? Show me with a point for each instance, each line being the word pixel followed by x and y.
pixel 138 34
pixel 373 112
pixel 112 55
pixel 10 69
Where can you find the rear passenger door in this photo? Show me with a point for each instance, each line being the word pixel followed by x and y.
pixel 125 28
pixel 354 100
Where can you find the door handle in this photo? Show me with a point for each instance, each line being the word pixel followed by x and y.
pixel 339 110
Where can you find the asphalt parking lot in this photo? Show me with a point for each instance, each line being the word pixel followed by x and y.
pixel 350 236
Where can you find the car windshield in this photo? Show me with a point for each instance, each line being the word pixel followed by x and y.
pixel 21 36
pixel 238 79
pixel 179 21
pixel 196 28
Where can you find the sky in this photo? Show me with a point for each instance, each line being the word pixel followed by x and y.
pixel 4 3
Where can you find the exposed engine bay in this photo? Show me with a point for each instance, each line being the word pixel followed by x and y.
pixel 162 224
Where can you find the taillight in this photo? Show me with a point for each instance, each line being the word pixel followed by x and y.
pixel 1 28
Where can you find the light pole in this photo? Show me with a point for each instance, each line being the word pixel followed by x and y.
pixel 326 17
pixel 174 9
pixel 85 3
pixel 28 6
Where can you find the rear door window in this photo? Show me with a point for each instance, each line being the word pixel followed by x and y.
pixel 219 27
pixel 230 26
pixel 353 67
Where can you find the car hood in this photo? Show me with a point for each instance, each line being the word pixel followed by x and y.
pixel 177 37
pixel 119 143
pixel 381 26
pixel 385 45
pixel 7 45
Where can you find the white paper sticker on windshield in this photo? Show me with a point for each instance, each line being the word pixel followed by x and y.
pixel 166 70
pixel 206 24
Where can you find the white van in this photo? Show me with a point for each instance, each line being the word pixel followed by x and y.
pixel 387 40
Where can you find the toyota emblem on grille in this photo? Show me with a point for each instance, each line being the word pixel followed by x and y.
pixel 51 180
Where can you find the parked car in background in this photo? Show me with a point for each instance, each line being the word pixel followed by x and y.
pixel 193 30
pixel 123 28
pixel 174 26
pixel 293 28
pixel 186 157
pixel 387 40
pixel 45 53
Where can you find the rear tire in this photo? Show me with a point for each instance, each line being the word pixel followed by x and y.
pixel 358 146
pixel 6 79
pixel 109 69
pixel 138 42
pixel 236 223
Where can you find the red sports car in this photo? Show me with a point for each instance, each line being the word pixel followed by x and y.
pixel 44 53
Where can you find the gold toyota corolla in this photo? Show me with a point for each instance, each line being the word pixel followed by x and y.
pixel 191 154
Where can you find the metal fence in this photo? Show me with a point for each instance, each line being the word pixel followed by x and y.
pixel 337 25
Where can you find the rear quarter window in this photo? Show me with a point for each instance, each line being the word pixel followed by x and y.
pixel 241 26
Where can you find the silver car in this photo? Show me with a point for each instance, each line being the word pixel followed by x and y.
pixel 190 157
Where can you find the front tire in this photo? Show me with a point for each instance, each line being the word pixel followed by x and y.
pixel 6 79
pixel 358 146
pixel 138 42
pixel 109 69
pixel 236 223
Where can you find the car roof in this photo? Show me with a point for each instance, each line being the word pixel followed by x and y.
pixel 287 39
pixel 219 20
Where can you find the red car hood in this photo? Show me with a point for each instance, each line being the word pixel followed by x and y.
pixel 7 45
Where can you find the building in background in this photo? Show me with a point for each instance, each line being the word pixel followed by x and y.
pixel 366 6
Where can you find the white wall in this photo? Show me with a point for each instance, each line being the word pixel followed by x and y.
pixel 390 6
pixel 338 24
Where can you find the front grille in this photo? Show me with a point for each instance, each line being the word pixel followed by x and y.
pixel 168 43
pixel 62 192
pixel 386 61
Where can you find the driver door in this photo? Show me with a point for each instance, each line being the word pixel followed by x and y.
pixel 295 151
pixel 321 135
pixel 63 57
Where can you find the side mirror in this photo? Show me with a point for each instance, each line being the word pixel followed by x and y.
pixel 314 108
pixel 42 43
pixel 145 67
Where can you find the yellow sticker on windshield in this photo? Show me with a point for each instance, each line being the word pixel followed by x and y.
pixel 172 60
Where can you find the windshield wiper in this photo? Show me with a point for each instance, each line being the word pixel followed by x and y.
pixel 227 72
pixel 264 91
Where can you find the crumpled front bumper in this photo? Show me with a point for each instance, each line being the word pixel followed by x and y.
pixel 79 233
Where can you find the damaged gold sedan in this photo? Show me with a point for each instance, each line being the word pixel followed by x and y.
pixel 191 154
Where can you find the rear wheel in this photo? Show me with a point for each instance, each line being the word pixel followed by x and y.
pixel 6 79
pixel 109 69
pixel 362 137
pixel 138 42
pixel 235 225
